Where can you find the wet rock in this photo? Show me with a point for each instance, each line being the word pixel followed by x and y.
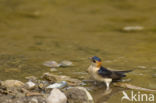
pixel 59 78
pixel 33 100
pixel 133 28
pixel 49 77
pixel 30 85
pixel 43 84
pixel 78 95
pixel 58 85
pixel 66 63
pixel 56 96
pixel 12 83
pixel 52 64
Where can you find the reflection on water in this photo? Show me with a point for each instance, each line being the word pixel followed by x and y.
pixel 32 32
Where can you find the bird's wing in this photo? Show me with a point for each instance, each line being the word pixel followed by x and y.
pixel 104 72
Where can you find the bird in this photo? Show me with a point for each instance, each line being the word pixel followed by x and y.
pixel 102 74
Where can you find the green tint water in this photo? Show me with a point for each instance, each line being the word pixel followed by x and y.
pixel 34 31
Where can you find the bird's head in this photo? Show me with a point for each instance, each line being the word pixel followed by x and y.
pixel 96 61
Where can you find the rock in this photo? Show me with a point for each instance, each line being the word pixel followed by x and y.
pixel 58 85
pixel 133 28
pixel 78 95
pixel 49 77
pixel 33 100
pixel 66 63
pixel 52 64
pixel 30 85
pixel 59 78
pixel 56 96
pixel 12 83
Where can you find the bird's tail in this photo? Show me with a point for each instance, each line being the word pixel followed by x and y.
pixel 124 71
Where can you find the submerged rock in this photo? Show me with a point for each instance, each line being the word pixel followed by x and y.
pixel 58 85
pixel 52 64
pixel 12 83
pixel 66 63
pixel 133 28
pixel 78 95
pixel 53 69
pixel 56 96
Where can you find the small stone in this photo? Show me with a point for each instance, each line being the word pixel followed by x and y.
pixel 58 85
pixel 30 85
pixel 133 28
pixel 66 63
pixel 52 64
pixel 56 96
pixel 41 85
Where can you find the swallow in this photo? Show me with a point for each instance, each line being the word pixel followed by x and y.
pixel 102 74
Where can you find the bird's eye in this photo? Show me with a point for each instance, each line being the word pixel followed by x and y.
pixel 94 61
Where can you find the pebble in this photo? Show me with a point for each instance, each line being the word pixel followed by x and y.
pixel 30 84
pixel 58 85
pixel 52 64
pixel 133 28
pixel 66 63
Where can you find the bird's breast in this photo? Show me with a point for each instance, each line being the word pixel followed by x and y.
pixel 93 71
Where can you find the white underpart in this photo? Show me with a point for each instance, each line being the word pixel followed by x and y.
pixel 93 72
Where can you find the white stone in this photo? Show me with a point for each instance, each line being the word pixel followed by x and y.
pixel 30 84
pixel 58 85
pixel 56 96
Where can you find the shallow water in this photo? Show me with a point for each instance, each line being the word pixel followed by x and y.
pixel 32 32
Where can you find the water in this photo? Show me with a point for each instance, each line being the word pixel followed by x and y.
pixel 32 32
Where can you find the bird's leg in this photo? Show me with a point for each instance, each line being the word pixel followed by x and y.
pixel 107 85
pixel 108 81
